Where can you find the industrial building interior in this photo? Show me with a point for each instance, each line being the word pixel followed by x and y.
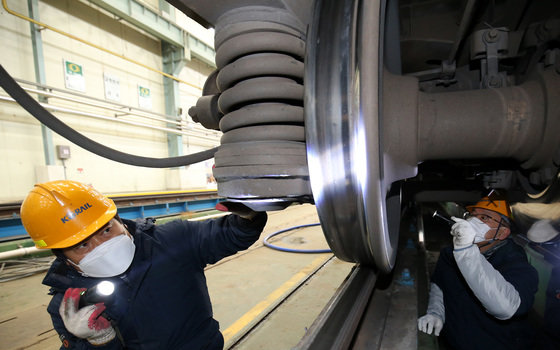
pixel 365 117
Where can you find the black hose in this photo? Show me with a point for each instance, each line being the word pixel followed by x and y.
pixel 291 250
pixel 56 125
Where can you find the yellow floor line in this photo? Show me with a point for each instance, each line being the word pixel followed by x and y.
pixel 271 299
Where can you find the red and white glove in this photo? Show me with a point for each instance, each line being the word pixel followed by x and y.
pixel 87 322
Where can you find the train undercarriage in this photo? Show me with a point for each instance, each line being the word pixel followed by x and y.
pixel 362 107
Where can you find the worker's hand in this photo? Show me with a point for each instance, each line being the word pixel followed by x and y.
pixel 87 322
pixel 430 322
pixel 467 232
pixel 463 233
pixel 237 208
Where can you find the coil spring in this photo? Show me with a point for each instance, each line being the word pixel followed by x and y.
pixel 259 91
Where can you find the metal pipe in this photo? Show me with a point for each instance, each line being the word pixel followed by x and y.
pixel 50 94
pixel 19 15
pixel 93 115
pixel 467 15
pixel 16 253
pixel 138 111
pixel 491 123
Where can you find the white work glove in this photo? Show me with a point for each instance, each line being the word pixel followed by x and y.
pixel 464 232
pixel 430 322
pixel 87 322
pixel 497 295
pixel 435 316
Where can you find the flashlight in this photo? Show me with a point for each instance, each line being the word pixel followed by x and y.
pixel 101 292
pixel 443 217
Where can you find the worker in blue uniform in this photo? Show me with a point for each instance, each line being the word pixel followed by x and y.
pixel 161 299
pixel 482 287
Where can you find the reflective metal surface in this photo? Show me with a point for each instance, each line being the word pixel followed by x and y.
pixel 342 133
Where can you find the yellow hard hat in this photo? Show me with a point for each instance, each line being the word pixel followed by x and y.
pixel 498 205
pixel 60 214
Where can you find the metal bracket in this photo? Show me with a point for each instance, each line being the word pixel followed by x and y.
pixel 489 45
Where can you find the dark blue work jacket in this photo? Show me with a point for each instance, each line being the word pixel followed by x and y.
pixel 467 324
pixel 161 301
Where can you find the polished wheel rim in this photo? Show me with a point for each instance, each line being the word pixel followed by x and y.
pixel 342 82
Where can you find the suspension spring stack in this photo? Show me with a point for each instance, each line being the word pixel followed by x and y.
pixel 256 99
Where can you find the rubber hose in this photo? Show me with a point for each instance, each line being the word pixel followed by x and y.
pixel 289 250
pixel 56 125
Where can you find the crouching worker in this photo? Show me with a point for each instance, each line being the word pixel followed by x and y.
pixel 160 298
pixel 482 287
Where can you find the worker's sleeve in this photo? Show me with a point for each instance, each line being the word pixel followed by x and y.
pixel 68 340
pixel 498 296
pixel 435 302
pixel 209 241
pixel 228 235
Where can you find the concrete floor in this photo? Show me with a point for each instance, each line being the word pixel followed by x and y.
pixel 258 284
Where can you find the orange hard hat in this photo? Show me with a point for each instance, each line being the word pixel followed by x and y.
pixel 60 214
pixel 498 205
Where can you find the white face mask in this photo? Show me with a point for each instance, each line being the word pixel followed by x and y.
pixel 480 228
pixel 111 258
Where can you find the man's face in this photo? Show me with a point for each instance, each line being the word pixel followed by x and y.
pixel 492 219
pixel 110 230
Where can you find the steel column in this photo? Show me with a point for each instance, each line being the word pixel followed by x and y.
pixel 173 61
pixel 39 63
